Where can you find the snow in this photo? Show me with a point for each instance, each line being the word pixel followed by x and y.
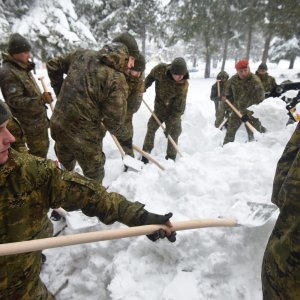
pixel 208 263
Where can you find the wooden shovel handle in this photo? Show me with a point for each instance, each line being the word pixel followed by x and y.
pixel 81 238
pixel 148 156
pixel 248 124
pixel 118 145
pixel 163 128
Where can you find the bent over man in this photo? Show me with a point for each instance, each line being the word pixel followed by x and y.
pixel 23 95
pixel 24 207
pixel 93 93
pixel 171 87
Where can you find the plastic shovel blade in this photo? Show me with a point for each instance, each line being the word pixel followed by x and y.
pixel 132 163
pixel 253 214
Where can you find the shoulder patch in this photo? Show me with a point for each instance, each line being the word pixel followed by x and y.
pixel 12 88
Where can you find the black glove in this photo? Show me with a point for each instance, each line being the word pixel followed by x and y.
pixel 47 98
pixel 245 118
pixel 166 133
pixel 148 218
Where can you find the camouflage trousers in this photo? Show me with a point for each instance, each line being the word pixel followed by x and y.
pixel 124 136
pixel 220 113
pixel 234 124
pixel 281 262
pixel 38 142
pixel 89 155
pixel 173 129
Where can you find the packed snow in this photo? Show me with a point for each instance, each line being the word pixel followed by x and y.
pixel 207 263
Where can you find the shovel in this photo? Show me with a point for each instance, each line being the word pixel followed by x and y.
pixel 249 214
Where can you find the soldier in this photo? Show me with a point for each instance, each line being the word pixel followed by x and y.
pixel 24 207
pixel 171 87
pixel 267 81
pixel 243 90
pixel 281 264
pixel 135 81
pixel 93 92
pixel 217 92
pixel 23 95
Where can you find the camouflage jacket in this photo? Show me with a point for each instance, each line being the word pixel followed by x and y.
pixel 15 129
pixel 22 94
pixel 214 95
pixel 29 187
pixel 267 81
pixel 135 94
pixel 170 94
pixel 243 93
pixel 94 91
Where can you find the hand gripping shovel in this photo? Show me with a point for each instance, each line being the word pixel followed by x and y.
pixel 249 214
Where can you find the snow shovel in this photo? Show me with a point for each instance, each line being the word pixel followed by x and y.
pixel 223 123
pixel 250 214
pixel 163 128
pixel 248 124
pixel 41 78
pixel 129 161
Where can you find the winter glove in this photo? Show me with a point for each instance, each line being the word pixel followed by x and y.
pixel 245 118
pixel 47 98
pixel 148 218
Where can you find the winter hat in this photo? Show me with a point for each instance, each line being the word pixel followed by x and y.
pixel 263 66
pixel 5 113
pixel 18 44
pixel 139 64
pixel 223 75
pixel 242 64
pixel 129 41
pixel 178 66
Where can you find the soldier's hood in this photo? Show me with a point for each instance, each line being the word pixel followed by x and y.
pixel 8 58
pixel 116 56
pixel 185 77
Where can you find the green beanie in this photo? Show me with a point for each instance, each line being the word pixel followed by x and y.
pixel 18 44
pixel 223 75
pixel 178 66
pixel 5 113
pixel 139 64
pixel 129 41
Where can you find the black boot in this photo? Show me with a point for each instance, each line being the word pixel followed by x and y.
pixel 145 160
pixel 55 216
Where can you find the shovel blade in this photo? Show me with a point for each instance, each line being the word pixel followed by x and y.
pixel 253 214
pixel 132 163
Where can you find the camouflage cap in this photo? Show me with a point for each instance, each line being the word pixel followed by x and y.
pixel 178 66
pixel 5 113
pixel 263 66
pixel 139 64
pixel 18 44
pixel 129 41
pixel 223 75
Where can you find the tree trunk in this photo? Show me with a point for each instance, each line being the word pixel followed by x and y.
pixel 266 47
pixel 249 42
pixel 225 51
pixel 195 62
pixel 207 56
pixel 292 61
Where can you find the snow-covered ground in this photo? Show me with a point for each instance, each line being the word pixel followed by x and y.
pixel 208 263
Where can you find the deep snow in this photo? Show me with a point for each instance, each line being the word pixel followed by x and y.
pixel 209 263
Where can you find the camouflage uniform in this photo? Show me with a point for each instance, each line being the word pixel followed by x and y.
pixel 170 102
pixel 243 93
pixel 23 215
pixel 16 130
pixel 281 262
pixel 24 98
pixel 94 91
pixel 135 92
pixel 267 81
pixel 221 109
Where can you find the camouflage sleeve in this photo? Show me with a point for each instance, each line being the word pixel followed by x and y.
pixel 228 91
pixel 214 92
pixel 56 68
pixel 15 129
pixel 135 98
pixel 151 77
pixel 72 191
pixel 115 107
pixel 16 95
pixel 258 91
pixel 285 164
